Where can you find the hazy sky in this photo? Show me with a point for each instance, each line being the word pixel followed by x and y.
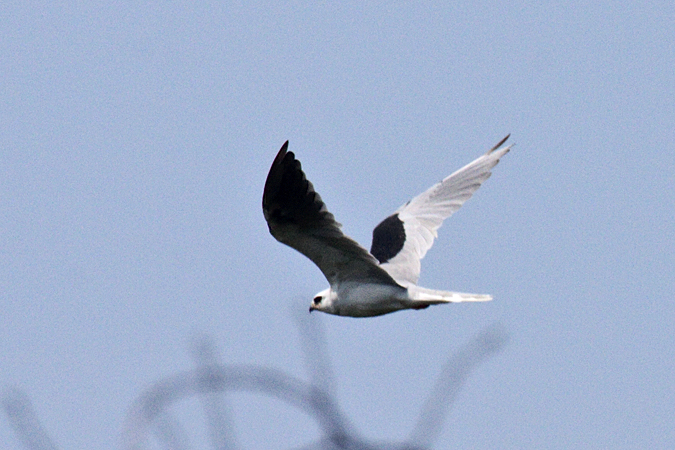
pixel 134 145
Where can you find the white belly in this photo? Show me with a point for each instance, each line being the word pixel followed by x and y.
pixel 366 300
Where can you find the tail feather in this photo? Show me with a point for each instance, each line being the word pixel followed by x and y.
pixel 424 296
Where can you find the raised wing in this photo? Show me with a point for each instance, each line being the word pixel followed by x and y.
pixel 296 216
pixel 401 240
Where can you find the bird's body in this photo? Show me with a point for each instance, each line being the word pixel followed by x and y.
pixel 384 280
pixel 356 299
pixel 373 299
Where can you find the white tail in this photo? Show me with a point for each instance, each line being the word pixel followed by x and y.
pixel 432 296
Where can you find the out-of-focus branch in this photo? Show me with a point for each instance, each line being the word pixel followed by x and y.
pixel 150 411
pixel 314 400
pixel 314 345
pixel 220 427
pixel 233 378
pixel 20 412
pixel 455 372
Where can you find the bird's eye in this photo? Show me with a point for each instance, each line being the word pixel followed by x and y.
pixel 317 300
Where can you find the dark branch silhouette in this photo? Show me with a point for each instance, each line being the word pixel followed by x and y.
pixel 315 347
pixel 455 372
pixel 220 428
pixel 231 378
pixel 314 397
pixel 21 416
pixel 149 413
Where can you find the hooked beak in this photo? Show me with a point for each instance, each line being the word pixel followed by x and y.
pixel 311 308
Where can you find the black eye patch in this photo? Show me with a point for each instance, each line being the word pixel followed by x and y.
pixel 317 300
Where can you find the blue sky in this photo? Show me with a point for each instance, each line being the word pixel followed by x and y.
pixel 134 144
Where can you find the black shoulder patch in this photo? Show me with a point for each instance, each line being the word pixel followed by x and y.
pixel 388 239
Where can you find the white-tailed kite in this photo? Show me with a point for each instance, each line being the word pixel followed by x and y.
pixel 384 280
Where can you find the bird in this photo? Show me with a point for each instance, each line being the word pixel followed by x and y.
pixel 383 280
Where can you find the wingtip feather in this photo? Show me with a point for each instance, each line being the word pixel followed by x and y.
pixel 499 144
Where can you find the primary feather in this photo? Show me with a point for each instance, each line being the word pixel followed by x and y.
pixel 296 216
pixel 419 219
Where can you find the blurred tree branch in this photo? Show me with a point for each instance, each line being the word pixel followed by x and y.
pixel 210 379
pixel 27 427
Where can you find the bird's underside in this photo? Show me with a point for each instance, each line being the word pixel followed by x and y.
pixel 363 283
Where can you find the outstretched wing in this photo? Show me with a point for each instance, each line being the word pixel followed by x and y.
pixel 401 240
pixel 296 216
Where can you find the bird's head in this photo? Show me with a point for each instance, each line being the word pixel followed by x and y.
pixel 323 301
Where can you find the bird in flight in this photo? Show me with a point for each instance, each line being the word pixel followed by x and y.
pixel 384 280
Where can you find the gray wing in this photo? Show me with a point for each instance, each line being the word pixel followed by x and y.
pixel 401 240
pixel 296 216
